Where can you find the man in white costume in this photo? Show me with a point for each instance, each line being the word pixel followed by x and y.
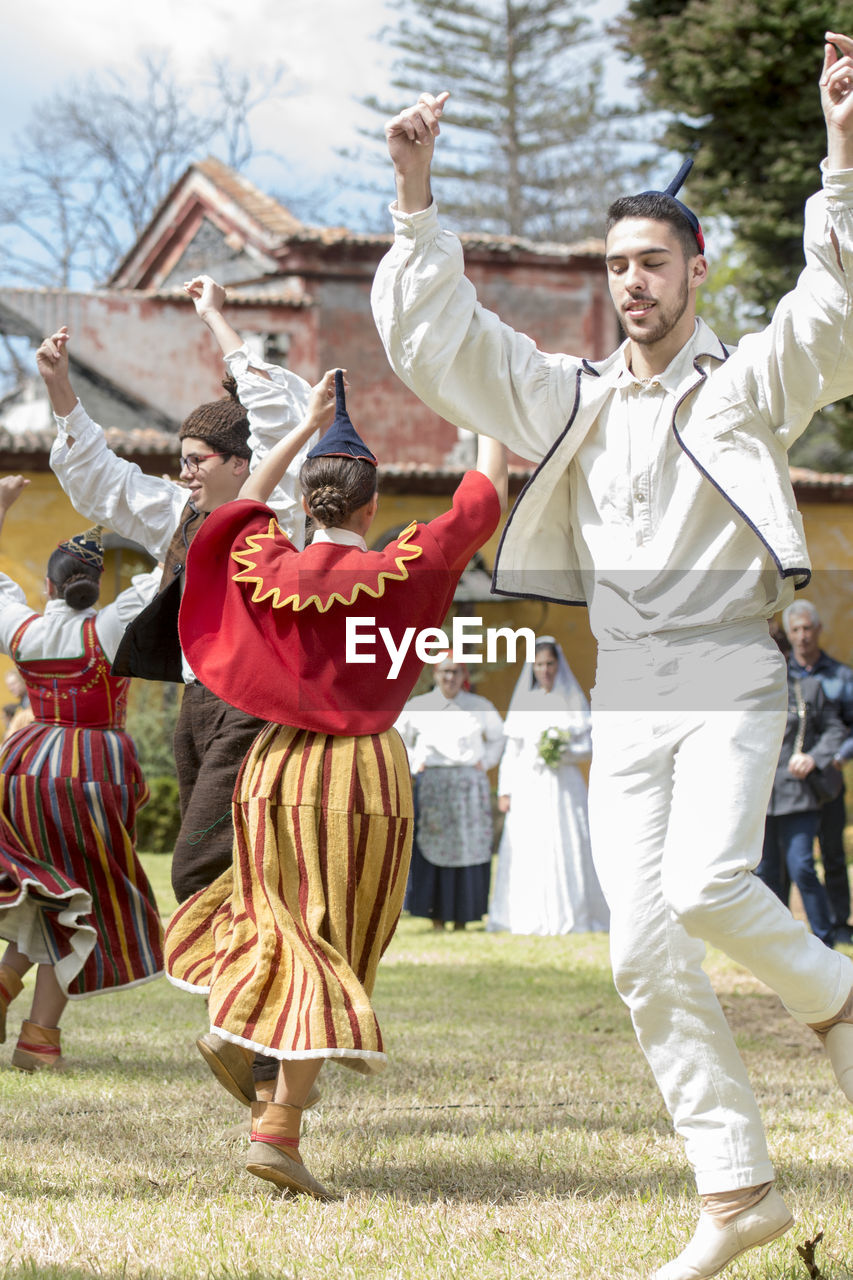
pixel 662 500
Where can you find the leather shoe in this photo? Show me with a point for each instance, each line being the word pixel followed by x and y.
pixel 274 1165
pixel 231 1064
pixel 715 1245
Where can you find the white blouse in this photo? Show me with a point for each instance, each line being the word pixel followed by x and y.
pixel 443 732
pixel 57 632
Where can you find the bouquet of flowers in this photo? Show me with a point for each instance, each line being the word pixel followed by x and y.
pixel 552 746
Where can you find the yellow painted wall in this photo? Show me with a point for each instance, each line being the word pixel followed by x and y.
pixel 43 515
pixel 829 530
pixel 40 519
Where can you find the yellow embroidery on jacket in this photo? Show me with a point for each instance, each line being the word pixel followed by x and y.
pixel 247 557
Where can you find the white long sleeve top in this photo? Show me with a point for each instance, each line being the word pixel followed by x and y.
pixel 442 732
pixel 114 492
pixel 687 517
pixel 56 632
pixel 147 509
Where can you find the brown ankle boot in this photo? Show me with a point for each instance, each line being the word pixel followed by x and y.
pixel 274 1150
pixel 38 1049
pixel 10 986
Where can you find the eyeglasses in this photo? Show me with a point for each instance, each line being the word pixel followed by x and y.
pixel 193 461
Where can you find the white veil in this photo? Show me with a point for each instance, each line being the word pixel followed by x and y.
pixel 532 709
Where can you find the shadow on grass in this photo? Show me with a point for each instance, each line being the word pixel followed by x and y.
pixel 457 1180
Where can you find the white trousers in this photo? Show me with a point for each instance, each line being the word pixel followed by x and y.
pixel 686 737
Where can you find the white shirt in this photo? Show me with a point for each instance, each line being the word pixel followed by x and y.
pixel 662 548
pixel 57 632
pixel 109 490
pixel 339 538
pixel 745 408
pixel 443 732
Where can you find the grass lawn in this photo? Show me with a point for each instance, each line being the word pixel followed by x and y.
pixel 515 1134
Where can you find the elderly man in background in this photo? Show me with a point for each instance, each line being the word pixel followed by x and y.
pixel 803 628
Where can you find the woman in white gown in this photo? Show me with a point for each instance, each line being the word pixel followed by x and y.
pixel 545 881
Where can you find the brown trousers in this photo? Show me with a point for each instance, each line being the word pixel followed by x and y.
pixel 211 741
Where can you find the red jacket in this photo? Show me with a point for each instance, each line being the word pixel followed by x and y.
pixel 264 625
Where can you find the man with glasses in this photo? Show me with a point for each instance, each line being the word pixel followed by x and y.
pixel 218 447
pixel 220 443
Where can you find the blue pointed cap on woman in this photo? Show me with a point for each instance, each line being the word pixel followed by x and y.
pixel 671 191
pixel 87 547
pixel 342 440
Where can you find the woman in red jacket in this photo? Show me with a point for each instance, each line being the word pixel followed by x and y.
pixel 287 944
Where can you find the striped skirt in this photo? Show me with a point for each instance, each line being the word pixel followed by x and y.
pixel 72 891
pixel 287 943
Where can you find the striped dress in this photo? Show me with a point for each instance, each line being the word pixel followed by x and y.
pixel 287 943
pixel 72 891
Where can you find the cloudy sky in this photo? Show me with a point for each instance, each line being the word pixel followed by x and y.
pixel 331 48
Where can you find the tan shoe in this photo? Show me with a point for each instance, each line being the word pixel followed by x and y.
pixel 38 1049
pixel 714 1246
pixel 839 1047
pixel 231 1064
pixel 10 986
pixel 274 1149
pixel 276 1165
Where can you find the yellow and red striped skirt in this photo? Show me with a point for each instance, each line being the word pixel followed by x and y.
pixel 286 944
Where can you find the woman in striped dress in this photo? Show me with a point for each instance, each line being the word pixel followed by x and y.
pixel 287 945
pixel 74 899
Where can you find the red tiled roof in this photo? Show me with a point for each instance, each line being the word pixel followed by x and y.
pixel 265 209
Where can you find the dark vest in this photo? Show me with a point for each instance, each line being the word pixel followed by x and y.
pixel 150 648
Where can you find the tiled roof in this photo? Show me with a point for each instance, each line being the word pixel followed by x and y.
pixel 805 478
pixel 137 442
pixel 266 210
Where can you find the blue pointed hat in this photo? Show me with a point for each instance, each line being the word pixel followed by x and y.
pixel 671 191
pixel 87 547
pixel 342 440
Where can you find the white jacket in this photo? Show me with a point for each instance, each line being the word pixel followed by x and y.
pixel 735 422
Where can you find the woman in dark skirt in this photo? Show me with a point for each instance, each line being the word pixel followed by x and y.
pixel 453 737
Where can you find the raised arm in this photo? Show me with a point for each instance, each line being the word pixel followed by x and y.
pixel 836 94
pixel 209 299
pixel 411 139
pixel 11 488
pixel 457 357
pixel 318 416
pixel 52 364
pixel 491 460
pixel 13 602
pixel 803 359
pixel 101 486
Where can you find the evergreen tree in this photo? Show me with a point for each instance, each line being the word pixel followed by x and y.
pixel 529 146
pixel 740 79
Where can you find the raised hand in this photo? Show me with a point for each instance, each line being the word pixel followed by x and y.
pixel 207 295
pixel 11 488
pixel 411 139
pixel 836 93
pixel 52 356
pixel 321 402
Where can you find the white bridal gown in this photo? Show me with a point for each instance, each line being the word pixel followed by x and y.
pixel 545 881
